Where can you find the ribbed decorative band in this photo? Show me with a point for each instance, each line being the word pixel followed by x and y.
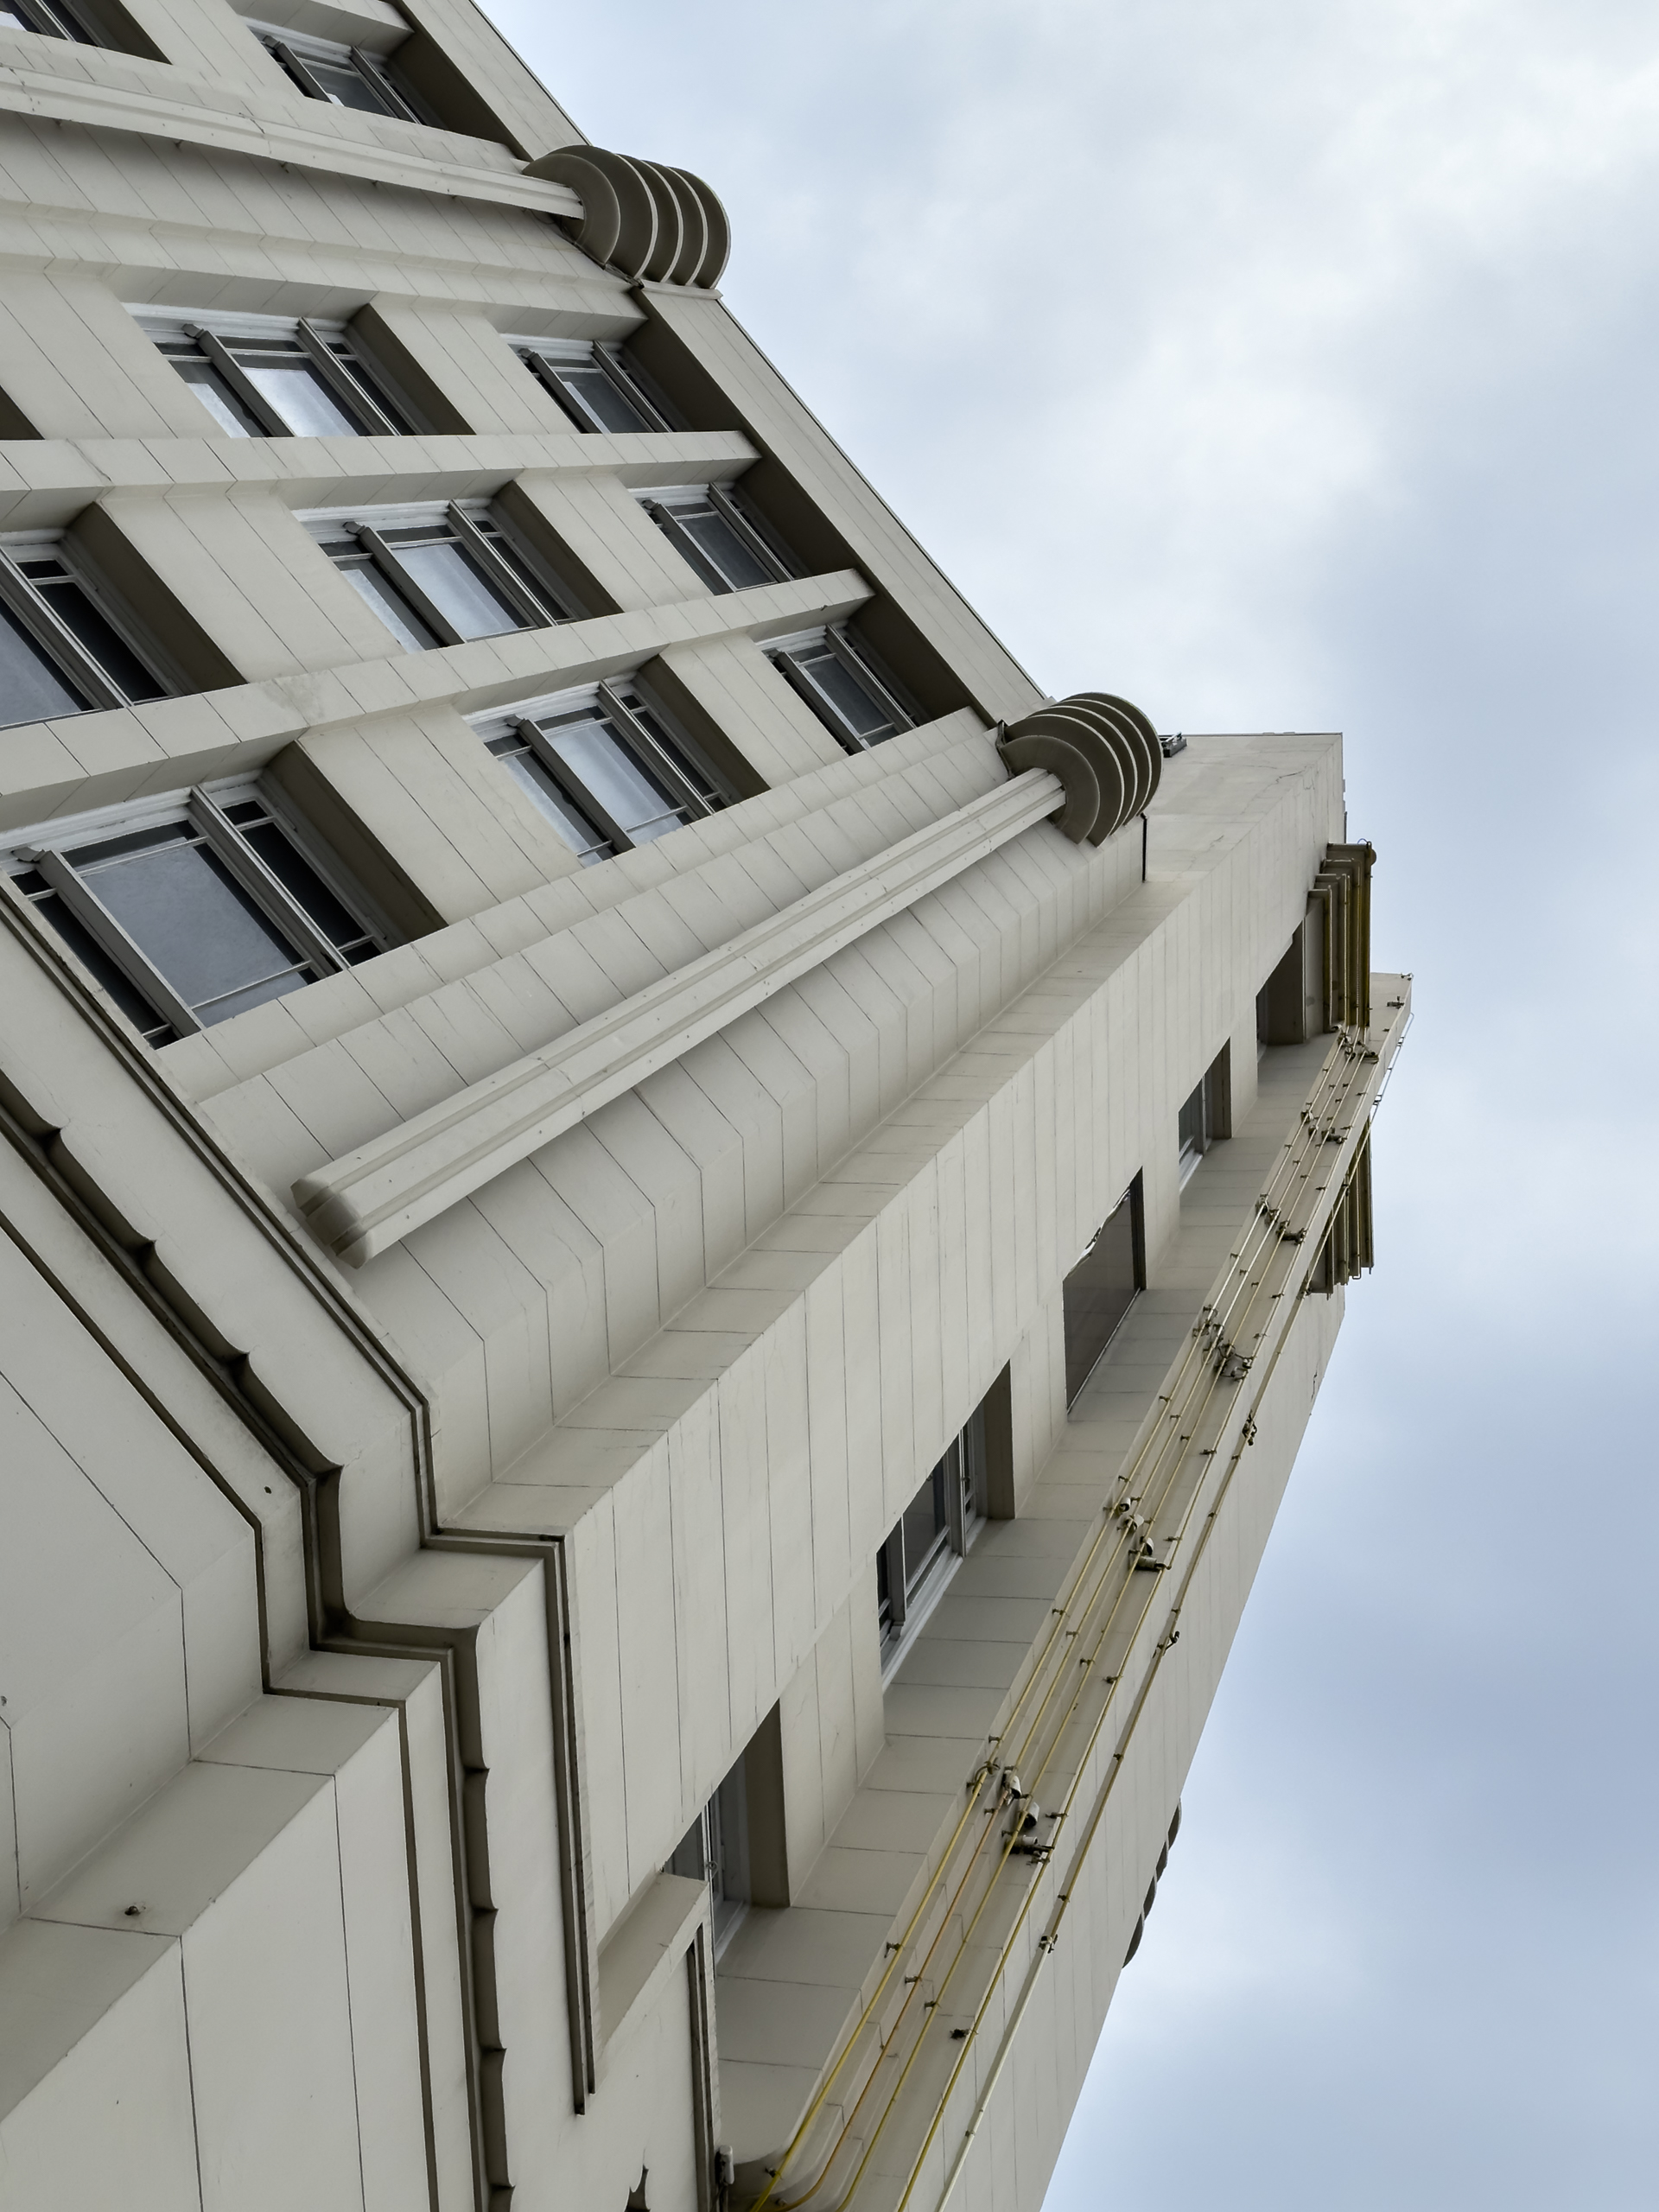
pixel 640 217
pixel 1103 749
pixel 373 1196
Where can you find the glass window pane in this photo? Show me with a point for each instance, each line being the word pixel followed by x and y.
pixel 723 549
pixel 303 883
pixel 93 957
pixel 925 1526
pixel 602 767
pixel 174 899
pixel 69 601
pixel 391 606
pixel 608 404
pixel 572 825
pixel 452 584
pixel 867 721
pixel 348 88
pixel 31 687
pixel 1098 1292
pixel 295 388
pixel 218 399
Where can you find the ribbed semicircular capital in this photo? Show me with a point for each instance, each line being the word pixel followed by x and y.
pixel 1105 751
pixel 642 217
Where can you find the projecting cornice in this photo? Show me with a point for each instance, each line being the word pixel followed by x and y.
pixel 648 220
pixel 223 130
pixel 1105 751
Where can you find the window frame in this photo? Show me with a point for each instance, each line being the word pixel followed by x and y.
pixel 966 1504
pixel 293 51
pixel 786 656
pixel 542 604
pixel 36 612
pixel 46 850
pixel 545 357
pixel 357 386
pixel 613 698
pixel 61 22
pixel 664 504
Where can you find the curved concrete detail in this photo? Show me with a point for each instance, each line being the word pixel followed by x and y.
pixel 1103 750
pixel 642 217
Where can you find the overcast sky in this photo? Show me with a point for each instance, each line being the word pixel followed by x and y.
pixel 1290 364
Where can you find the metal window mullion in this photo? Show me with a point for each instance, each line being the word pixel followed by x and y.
pixel 266 889
pixel 49 630
pixel 629 390
pixel 378 82
pixel 849 657
pixel 385 558
pixel 679 537
pixel 602 819
pixel 956 1506
pixel 897 1608
pixel 100 924
pixel 294 64
pixel 346 387
pixel 731 514
pixel 239 381
pixel 500 570
pixel 800 681
pixel 546 371
pixel 683 792
pixel 54 17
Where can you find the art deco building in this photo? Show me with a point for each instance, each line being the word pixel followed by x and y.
pixel 666 1240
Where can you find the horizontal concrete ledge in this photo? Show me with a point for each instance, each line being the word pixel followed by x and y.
pixel 175 742
pixel 45 482
pixel 53 99
pixel 639 1954
pixel 373 1196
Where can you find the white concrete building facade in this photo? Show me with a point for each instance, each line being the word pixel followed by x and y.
pixel 666 1241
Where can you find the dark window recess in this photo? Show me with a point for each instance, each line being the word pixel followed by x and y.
pixel 852 701
pixel 608 775
pixel 1102 1286
pixel 442 583
pixel 1207 1115
pixel 62 651
pixel 346 76
pixel 716 1849
pixel 189 921
pixel 937 1525
pixel 85 25
pixel 312 384
pixel 723 544
pixel 594 390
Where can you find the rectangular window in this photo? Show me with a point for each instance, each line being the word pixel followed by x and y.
pixel 81 21
pixel 1102 1286
pixel 837 682
pixel 65 647
pixel 726 547
pixel 607 768
pixel 1207 1115
pixel 591 384
pixel 343 75
pixel 192 910
pixel 934 1529
pixel 440 576
pixel 259 376
pixel 716 1849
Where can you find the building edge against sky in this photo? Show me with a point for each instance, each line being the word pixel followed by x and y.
pixel 666 1241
